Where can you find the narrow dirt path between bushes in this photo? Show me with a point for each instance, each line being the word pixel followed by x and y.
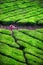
pixel 21 27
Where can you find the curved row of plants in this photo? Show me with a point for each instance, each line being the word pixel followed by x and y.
pixel 21 47
pixel 25 11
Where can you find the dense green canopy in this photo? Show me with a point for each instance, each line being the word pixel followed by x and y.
pixel 21 11
pixel 24 47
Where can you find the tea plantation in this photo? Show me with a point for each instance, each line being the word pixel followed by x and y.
pixel 21 47
pixel 21 11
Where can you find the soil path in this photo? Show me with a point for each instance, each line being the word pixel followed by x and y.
pixel 21 27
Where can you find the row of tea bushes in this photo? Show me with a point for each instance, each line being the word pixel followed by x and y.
pixel 21 12
pixel 22 47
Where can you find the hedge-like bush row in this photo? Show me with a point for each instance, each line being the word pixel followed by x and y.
pixel 21 47
pixel 25 11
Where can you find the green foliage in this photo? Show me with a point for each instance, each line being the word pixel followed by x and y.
pixel 25 11
pixel 24 47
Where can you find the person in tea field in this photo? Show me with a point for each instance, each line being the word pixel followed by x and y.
pixel 12 27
